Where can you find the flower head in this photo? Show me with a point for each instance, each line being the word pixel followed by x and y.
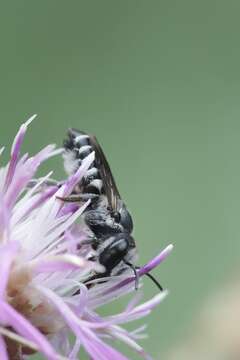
pixel 45 264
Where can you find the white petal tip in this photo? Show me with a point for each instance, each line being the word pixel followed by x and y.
pixel 169 248
pixel 165 293
pixel 28 122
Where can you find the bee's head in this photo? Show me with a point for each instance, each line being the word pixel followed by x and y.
pixel 115 250
pixel 123 217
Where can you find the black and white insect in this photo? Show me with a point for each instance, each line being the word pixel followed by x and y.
pixel 107 216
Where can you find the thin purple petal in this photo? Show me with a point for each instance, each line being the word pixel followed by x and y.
pixel 156 261
pixel 15 151
pixel 7 254
pixel 3 350
pixel 68 209
pixel 98 349
pixel 75 350
pixel 39 200
pixel 4 218
pixel 12 318
pixel 63 263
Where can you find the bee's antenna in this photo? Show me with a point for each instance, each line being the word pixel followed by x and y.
pixel 134 268
pixel 152 278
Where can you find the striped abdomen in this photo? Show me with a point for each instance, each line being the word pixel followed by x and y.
pixel 77 148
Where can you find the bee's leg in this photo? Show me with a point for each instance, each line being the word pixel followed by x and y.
pixel 47 182
pixel 91 241
pixel 78 197
pixel 95 277
pixel 134 269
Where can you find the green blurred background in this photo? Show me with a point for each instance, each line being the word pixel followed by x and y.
pixel 158 82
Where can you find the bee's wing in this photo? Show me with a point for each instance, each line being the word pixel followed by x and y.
pixel 109 185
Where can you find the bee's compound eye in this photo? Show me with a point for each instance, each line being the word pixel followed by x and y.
pixel 116 215
pixel 115 252
pixel 126 220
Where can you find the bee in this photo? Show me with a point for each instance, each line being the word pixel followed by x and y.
pixel 107 215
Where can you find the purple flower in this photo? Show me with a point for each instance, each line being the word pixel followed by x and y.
pixel 44 266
